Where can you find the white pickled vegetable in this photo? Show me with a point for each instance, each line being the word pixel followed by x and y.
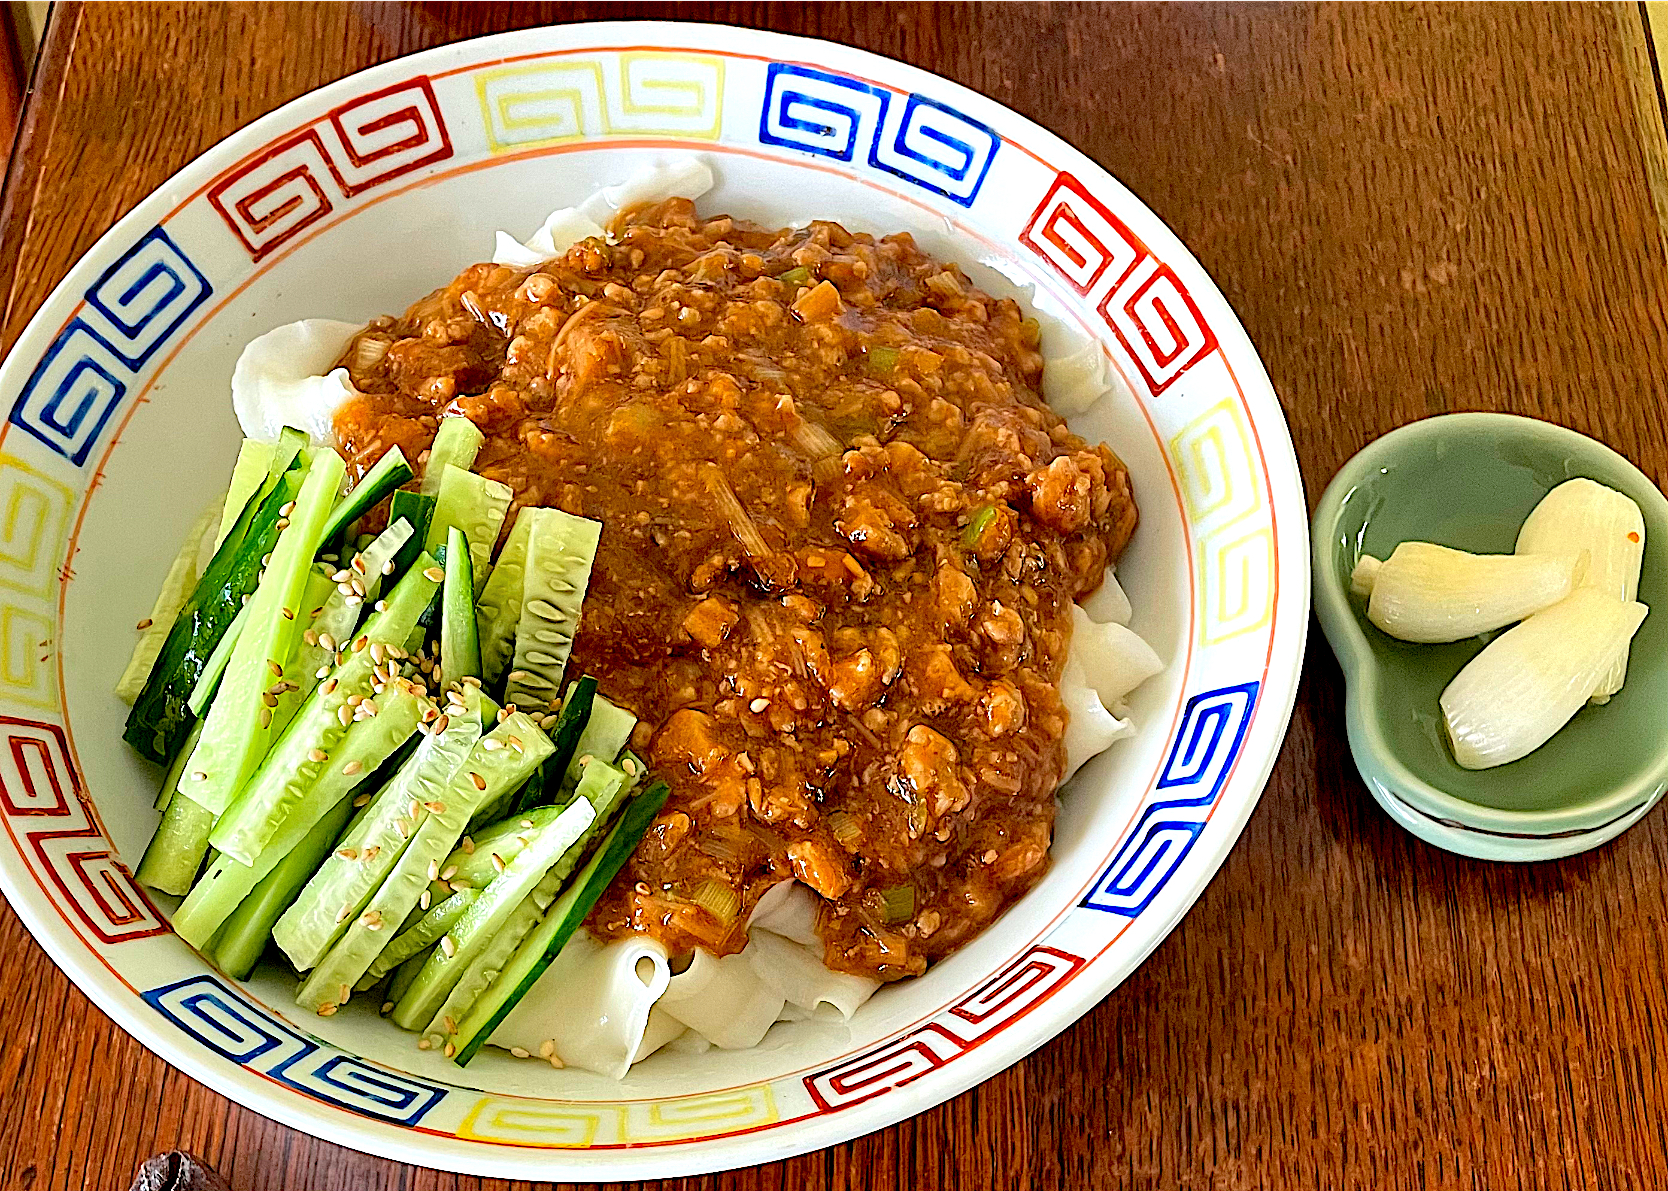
pixel 1427 593
pixel 1529 681
pixel 1582 515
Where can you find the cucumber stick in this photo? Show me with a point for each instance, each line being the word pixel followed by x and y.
pixel 545 787
pixel 228 880
pixel 176 589
pixel 239 943
pixel 208 682
pixel 560 551
pixel 499 609
pixel 473 504
pixel 603 788
pixel 605 735
pixel 160 719
pixel 460 651
pixel 481 921
pixel 345 882
pixel 416 510
pixel 287 772
pixel 387 474
pixel 489 769
pixel 171 779
pixel 503 839
pixel 457 441
pixel 418 937
pixel 547 939
pixel 254 464
pixel 239 727
pixel 176 851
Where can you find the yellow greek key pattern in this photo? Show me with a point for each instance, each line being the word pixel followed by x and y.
pixel 575 1125
pixel 629 94
pixel 1232 525
pixel 35 513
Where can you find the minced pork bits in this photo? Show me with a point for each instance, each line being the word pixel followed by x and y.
pixel 842 536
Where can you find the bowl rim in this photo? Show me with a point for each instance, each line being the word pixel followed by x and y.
pixel 1274 708
pixel 1376 761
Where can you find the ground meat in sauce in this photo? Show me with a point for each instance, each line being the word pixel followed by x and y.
pixel 842 533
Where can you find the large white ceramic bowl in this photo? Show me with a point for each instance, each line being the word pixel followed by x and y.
pixel 354 200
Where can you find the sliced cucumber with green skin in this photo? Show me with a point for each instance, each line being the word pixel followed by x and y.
pixel 238 945
pixel 504 839
pixel 366 935
pixel 547 939
pixel 418 511
pixel 498 611
pixel 346 881
pixel 220 890
pixel 607 731
pixel 460 651
pixel 284 776
pixel 208 682
pixel 301 671
pixel 457 441
pixel 253 466
pixel 418 937
pixel 560 551
pixel 171 779
pixel 176 850
pixel 238 730
pixel 387 474
pixel 545 787
pixel 417 1009
pixel 474 504
pixel 404 975
pixel 160 719
pixel 176 589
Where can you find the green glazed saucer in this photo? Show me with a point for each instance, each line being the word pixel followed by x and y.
pixel 1468 481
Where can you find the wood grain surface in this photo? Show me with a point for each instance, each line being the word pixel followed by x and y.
pixel 1414 210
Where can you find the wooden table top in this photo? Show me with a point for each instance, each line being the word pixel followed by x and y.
pixel 1414 211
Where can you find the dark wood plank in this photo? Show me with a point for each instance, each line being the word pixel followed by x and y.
pixel 1413 210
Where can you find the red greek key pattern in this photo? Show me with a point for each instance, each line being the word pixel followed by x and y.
pixel 1140 297
pixel 993 1006
pixel 298 179
pixel 48 816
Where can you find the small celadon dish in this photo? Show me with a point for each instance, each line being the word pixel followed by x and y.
pixel 1468 481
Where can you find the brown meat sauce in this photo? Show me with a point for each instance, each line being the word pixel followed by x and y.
pixel 842 536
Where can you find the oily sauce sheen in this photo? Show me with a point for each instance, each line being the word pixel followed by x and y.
pixel 842 534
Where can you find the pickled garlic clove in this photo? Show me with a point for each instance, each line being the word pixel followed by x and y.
pixel 1530 681
pixel 1583 515
pixel 1426 593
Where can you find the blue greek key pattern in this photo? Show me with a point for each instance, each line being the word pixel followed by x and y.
pixel 234 1029
pixel 133 308
pixel 1212 732
pixel 918 139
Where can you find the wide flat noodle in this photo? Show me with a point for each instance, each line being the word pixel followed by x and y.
pixel 1073 382
pixel 683 176
pixel 723 1000
pixel 1113 659
pixel 796 973
pixel 281 380
pixel 1109 604
pixel 593 1002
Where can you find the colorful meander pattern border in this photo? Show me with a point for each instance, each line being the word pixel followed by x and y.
pixel 89 378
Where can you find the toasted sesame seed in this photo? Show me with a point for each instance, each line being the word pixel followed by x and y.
pixel 629 766
pixel 287 509
pixel 403 828
pixel 349 853
pixel 448 1050
pixel 467 843
pixel 556 1062
pixel 345 714
pixel 585 760
pixel 448 945
pixel 329 642
pixel 450 871
pixel 266 717
pixel 441 724
pixel 315 612
pixel 361 643
pixel 346 991
pixel 460 886
pixel 434 870
pixel 758 704
pixel 370 852
pixel 289 613
pixel 362 800
pixel 470 680
pixel 283 523
pixel 436 808
pixel 376 653
pixel 345 912
pixel 516 675
pixel 344 588
pixel 327 1009
pixel 424 1044
pixel 144 624
pixel 388 1007
pixel 317 755
pixel 519 1053
pixel 388 567
pixel 526 822
pixel 199 776
pixel 435 574
pixel 381 605
pixel 352 767
pixel 491 745
pixel 547 1048
pixel 329 686
pixel 450 1023
pixel 353 601
pixel 358 563
pixel 497 862
pixel 480 782
pixel 423 902
pixel 549 721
